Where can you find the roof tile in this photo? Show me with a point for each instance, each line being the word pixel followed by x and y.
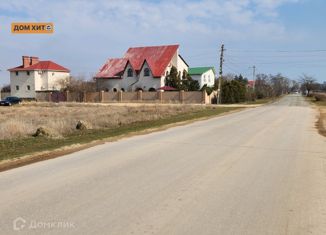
pixel 42 65
pixel 157 57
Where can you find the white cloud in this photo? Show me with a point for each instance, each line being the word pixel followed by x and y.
pixel 86 32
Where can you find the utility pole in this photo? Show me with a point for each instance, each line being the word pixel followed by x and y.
pixel 254 76
pixel 219 98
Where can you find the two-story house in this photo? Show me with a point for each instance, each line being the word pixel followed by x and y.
pixel 36 76
pixel 141 68
pixel 204 75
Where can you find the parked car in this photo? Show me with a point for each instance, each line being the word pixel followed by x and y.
pixel 10 100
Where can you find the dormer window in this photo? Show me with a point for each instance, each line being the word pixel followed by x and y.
pixel 146 72
pixel 130 73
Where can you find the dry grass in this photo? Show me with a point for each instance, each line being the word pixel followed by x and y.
pixel 321 124
pixel 23 120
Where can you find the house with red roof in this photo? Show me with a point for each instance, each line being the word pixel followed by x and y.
pixel 251 84
pixel 36 76
pixel 141 68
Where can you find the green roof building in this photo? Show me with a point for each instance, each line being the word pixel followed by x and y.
pixel 204 75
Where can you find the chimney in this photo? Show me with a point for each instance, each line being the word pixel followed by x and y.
pixel 34 60
pixel 26 61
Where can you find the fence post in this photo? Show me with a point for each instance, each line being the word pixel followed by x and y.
pixel 140 95
pixel 84 96
pixel 50 96
pixel 181 96
pixel 120 96
pixel 204 98
pixel 160 95
pixel 102 96
pixel 67 96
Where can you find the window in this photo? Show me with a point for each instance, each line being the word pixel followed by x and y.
pixel 27 72
pixel 17 88
pixel 146 72
pixel 130 73
pixel 28 87
pixel 52 74
pixel 16 73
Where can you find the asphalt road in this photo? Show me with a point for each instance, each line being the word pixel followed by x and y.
pixel 258 171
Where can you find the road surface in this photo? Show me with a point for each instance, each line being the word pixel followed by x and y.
pixel 258 171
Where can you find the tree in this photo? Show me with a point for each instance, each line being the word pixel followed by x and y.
pixel 271 85
pixel 173 78
pixel 6 88
pixel 294 86
pixel 241 79
pixel 181 82
pixel 79 84
pixel 280 84
pixel 189 84
pixel 307 83
pixel 233 91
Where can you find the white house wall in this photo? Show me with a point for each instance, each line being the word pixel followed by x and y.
pixel 127 83
pixel 37 80
pixel 148 82
pixel 181 65
pixel 178 63
pixel 104 84
pixel 22 80
pixel 206 78
pixel 56 80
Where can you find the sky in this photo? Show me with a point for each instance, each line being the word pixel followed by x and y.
pixel 276 36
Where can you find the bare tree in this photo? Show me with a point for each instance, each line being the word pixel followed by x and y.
pixel 307 83
pixel 6 88
pixel 80 84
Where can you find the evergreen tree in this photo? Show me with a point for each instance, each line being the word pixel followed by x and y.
pixel 172 79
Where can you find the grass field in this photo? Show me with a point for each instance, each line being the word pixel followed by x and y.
pixel 20 122
pixel 61 119
pixel 321 123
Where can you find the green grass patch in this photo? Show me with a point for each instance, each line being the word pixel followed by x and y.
pixel 14 148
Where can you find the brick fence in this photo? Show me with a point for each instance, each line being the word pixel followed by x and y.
pixel 187 97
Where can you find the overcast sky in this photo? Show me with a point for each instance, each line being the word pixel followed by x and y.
pixel 277 36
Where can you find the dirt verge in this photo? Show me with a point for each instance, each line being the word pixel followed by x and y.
pixel 321 122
